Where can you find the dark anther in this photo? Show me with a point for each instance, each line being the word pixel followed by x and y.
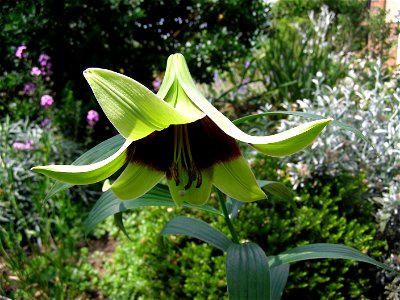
pixel 174 173
pixel 199 180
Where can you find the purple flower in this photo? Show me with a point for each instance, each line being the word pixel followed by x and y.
pixel 246 64
pixel 46 101
pixel 20 52
pixel 217 79
pixel 46 122
pixel 35 71
pixel 92 117
pixel 156 84
pixel 43 59
pixel 243 88
pixel 29 89
pixel 23 146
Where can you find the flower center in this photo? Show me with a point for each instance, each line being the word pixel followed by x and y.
pixel 183 152
pixel 183 159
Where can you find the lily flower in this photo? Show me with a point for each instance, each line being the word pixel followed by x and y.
pixel 178 135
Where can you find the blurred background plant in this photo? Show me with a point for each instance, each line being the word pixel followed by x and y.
pixel 311 56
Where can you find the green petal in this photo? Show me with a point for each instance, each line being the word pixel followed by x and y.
pixel 86 174
pixel 194 195
pixel 172 92
pixel 293 140
pixel 133 109
pixel 235 179
pixel 299 137
pixel 135 181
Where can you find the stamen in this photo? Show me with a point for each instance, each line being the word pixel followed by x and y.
pixel 175 173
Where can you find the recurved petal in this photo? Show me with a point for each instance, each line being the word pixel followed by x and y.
pixel 135 181
pixel 86 174
pixel 235 179
pixel 292 140
pixel 281 144
pixel 194 195
pixel 133 109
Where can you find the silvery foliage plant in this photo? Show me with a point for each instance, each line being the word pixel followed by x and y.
pixel 369 101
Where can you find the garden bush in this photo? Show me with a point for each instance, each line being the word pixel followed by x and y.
pixel 368 99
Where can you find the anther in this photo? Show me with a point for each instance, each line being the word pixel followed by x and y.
pixel 175 173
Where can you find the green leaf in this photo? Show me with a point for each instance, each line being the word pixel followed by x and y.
pixel 95 154
pixel 316 251
pixel 233 207
pixel 197 229
pixel 120 224
pixel 108 205
pixel 247 272
pixel 306 115
pixel 279 276
pixel 277 189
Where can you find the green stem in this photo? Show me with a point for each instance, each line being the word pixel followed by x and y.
pixel 228 221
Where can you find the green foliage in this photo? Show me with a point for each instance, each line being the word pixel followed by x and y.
pixel 38 255
pixel 332 210
pixel 349 15
pixel 56 270
pixel 145 269
pixel 328 210
pixel 117 34
pixel 295 51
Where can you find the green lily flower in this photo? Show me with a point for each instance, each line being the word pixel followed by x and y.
pixel 178 135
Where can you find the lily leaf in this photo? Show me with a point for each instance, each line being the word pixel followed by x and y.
pixel 108 205
pixel 316 251
pixel 247 271
pixel 279 276
pixel 197 229
pixel 120 224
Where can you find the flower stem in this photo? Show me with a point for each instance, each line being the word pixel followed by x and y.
pixel 228 221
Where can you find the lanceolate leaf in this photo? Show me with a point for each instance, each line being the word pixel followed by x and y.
pixel 279 276
pixel 315 251
pixel 247 272
pixel 120 224
pixel 197 229
pixel 306 115
pixel 96 154
pixel 109 205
